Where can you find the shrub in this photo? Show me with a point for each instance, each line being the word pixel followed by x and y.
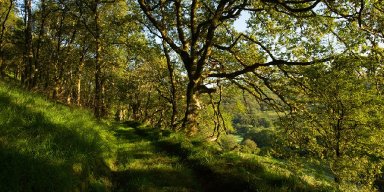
pixel 263 138
pixel 228 142
pixel 249 146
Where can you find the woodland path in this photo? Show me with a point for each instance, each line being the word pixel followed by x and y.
pixel 146 163
pixel 142 167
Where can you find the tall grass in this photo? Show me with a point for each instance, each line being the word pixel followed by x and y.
pixel 46 146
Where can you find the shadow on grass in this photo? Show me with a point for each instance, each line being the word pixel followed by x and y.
pixel 24 172
pixel 128 135
pixel 151 180
pixel 145 168
pixel 223 173
pixel 207 179
pixel 38 155
pixel 210 179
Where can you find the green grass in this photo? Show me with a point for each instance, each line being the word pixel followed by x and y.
pixel 49 147
pixel 140 166
pixel 236 171
pixel 46 146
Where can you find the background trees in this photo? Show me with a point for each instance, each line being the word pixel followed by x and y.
pixel 59 57
pixel 7 19
pixel 338 118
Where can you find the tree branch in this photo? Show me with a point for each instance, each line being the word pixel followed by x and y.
pixel 253 67
pixel 147 11
pixel 287 5
pixel 179 24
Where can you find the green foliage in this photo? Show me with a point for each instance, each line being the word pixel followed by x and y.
pixel 338 118
pixel 228 142
pixel 249 146
pixel 263 137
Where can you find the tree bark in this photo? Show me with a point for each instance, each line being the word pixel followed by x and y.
pixel 172 87
pixel 38 45
pixel 28 74
pixel 59 69
pixel 98 105
pixel 190 123
pixel 3 27
pixel 79 77
pixel 193 47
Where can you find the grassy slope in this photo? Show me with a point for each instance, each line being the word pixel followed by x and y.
pixel 46 146
pixel 49 147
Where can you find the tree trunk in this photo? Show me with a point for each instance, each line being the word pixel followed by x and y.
pixel 38 45
pixel 172 86
pixel 78 88
pixel 2 65
pixel 79 78
pixel 98 105
pixel 3 27
pixel 71 87
pixel 190 124
pixel 28 54
pixel 59 69
pixel 98 85
pixel 104 102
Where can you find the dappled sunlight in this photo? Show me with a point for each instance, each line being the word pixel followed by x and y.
pixel 141 167
pixel 59 156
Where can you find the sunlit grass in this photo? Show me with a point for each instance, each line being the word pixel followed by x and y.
pixel 49 147
pixel 46 146
pixel 142 167
pixel 235 170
